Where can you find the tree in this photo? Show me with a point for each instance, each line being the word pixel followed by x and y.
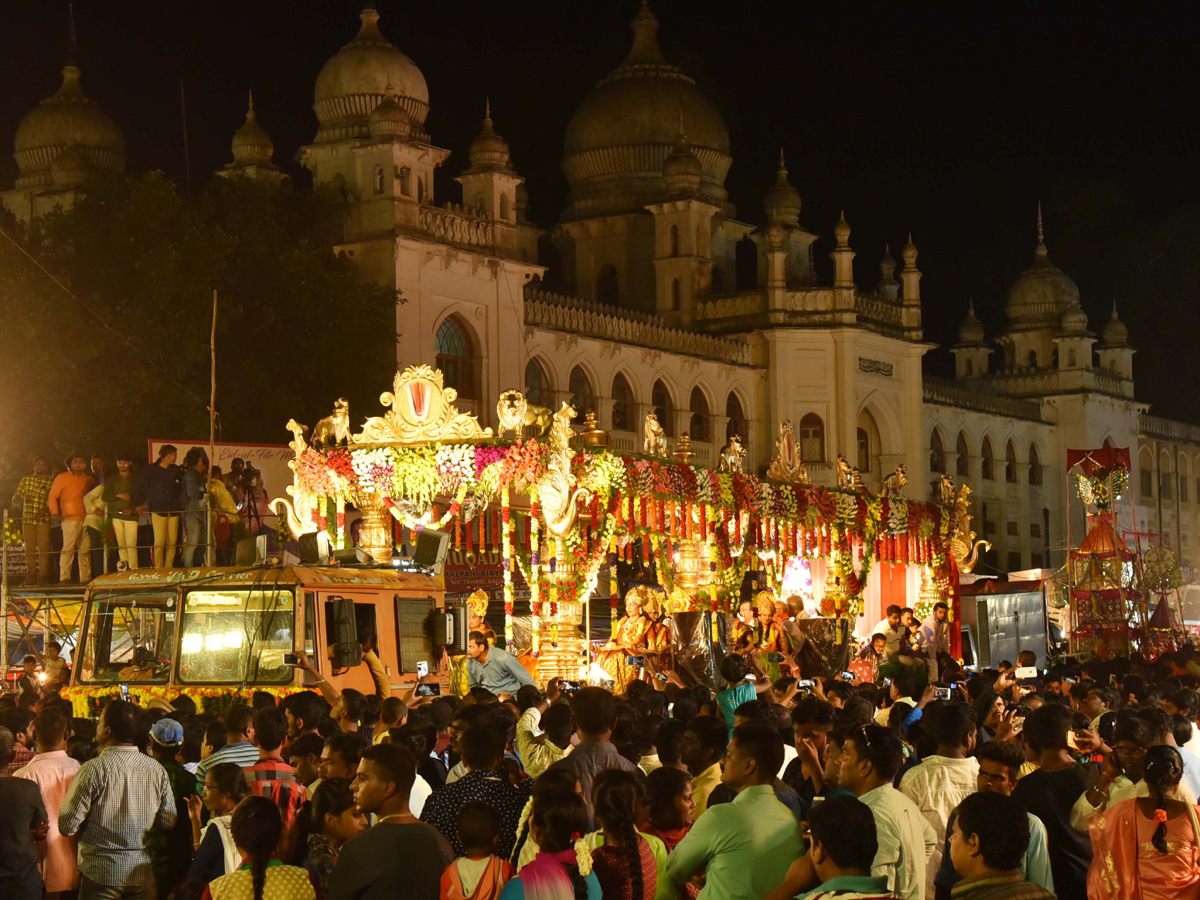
pixel 129 359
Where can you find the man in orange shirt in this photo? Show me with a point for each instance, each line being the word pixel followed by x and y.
pixel 66 500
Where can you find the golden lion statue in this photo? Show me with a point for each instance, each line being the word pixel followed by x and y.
pixel 894 483
pixel 849 478
pixel 515 414
pixel 732 455
pixel 334 429
pixel 656 440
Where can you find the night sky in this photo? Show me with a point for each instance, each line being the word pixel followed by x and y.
pixel 949 120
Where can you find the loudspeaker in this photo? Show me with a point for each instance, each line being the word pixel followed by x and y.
pixel 457 627
pixel 430 553
pixel 350 556
pixel 310 549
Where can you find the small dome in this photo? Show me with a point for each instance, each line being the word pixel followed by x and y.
pixel 621 134
pixel 909 253
pixel 251 144
pixel 841 231
pixel 1042 293
pixel 887 266
pixel 1115 333
pixel 782 202
pixel 68 118
pixel 681 170
pixel 388 119
pixel 971 333
pixel 488 150
pixel 70 168
pixel 354 82
pixel 1074 321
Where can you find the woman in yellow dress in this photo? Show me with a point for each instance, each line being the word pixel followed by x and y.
pixel 768 635
pixel 658 635
pixel 477 606
pixel 628 639
pixel 741 637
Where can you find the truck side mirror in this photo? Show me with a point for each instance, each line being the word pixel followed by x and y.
pixel 347 650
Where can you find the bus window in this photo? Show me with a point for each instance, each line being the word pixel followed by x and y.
pixel 130 637
pixel 235 636
pixel 310 624
pixel 364 621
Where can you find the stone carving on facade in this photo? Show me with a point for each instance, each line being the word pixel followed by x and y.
pixel 894 483
pixel 849 478
pixel 787 466
pixel 421 411
pixel 655 443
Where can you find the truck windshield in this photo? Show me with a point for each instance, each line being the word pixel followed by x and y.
pixel 130 637
pixel 235 636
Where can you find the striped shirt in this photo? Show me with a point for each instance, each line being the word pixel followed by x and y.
pixel 243 753
pixel 272 777
pixel 34 492
pixel 111 806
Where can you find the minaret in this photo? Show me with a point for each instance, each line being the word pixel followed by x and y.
pixel 490 184
pixel 971 354
pixel 910 279
pixel 682 235
pixel 889 286
pixel 252 151
pixel 1116 356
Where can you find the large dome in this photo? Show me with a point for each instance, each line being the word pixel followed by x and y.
pixel 356 79
pixel 1042 293
pixel 624 130
pixel 67 119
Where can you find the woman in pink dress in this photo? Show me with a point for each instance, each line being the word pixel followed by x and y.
pixel 1148 848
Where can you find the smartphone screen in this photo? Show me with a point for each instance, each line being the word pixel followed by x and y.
pixel 847 675
pixel 805 684
pixel 125 692
pixel 942 693
pixel 635 660
pixel 429 690
pixel 422 669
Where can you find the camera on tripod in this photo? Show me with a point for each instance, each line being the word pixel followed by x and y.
pixel 251 478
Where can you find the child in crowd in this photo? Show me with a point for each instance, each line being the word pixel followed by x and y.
pixel 481 874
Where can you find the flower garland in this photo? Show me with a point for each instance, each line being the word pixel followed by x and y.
pixel 535 603
pixel 507 565
pixel 86 702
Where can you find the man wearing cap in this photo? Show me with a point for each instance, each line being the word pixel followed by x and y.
pixel 171 848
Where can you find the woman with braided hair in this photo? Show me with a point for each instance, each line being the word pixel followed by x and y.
pixel 625 862
pixel 562 870
pixel 1148 848
pixel 257 828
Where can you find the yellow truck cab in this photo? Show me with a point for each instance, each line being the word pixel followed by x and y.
pixel 205 631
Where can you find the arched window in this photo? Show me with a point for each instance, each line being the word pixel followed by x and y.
pixel 863 446
pixel 664 408
pixel 962 465
pixel 420 189
pixel 937 453
pixel 1010 463
pixel 456 357
pixel 746 262
pixel 504 207
pixel 606 285
pixel 377 180
pixel 673 241
pixel 1070 359
pixel 405 177
pixel 676 295
pixel 622 411
pixel 1035 466
pixel 969 367
pixel 537 385
pixel 717 285
pixel 700 428
pixel 736 419
pixel 583 395
pixel 987 458
pixel 1033 359
pixel 812 438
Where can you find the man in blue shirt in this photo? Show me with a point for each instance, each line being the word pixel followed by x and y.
pixel 493 668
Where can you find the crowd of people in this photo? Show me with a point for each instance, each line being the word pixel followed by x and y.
pixel 97 520
pixel 1080 782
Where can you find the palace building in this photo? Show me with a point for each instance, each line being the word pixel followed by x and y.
pixel 678 301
